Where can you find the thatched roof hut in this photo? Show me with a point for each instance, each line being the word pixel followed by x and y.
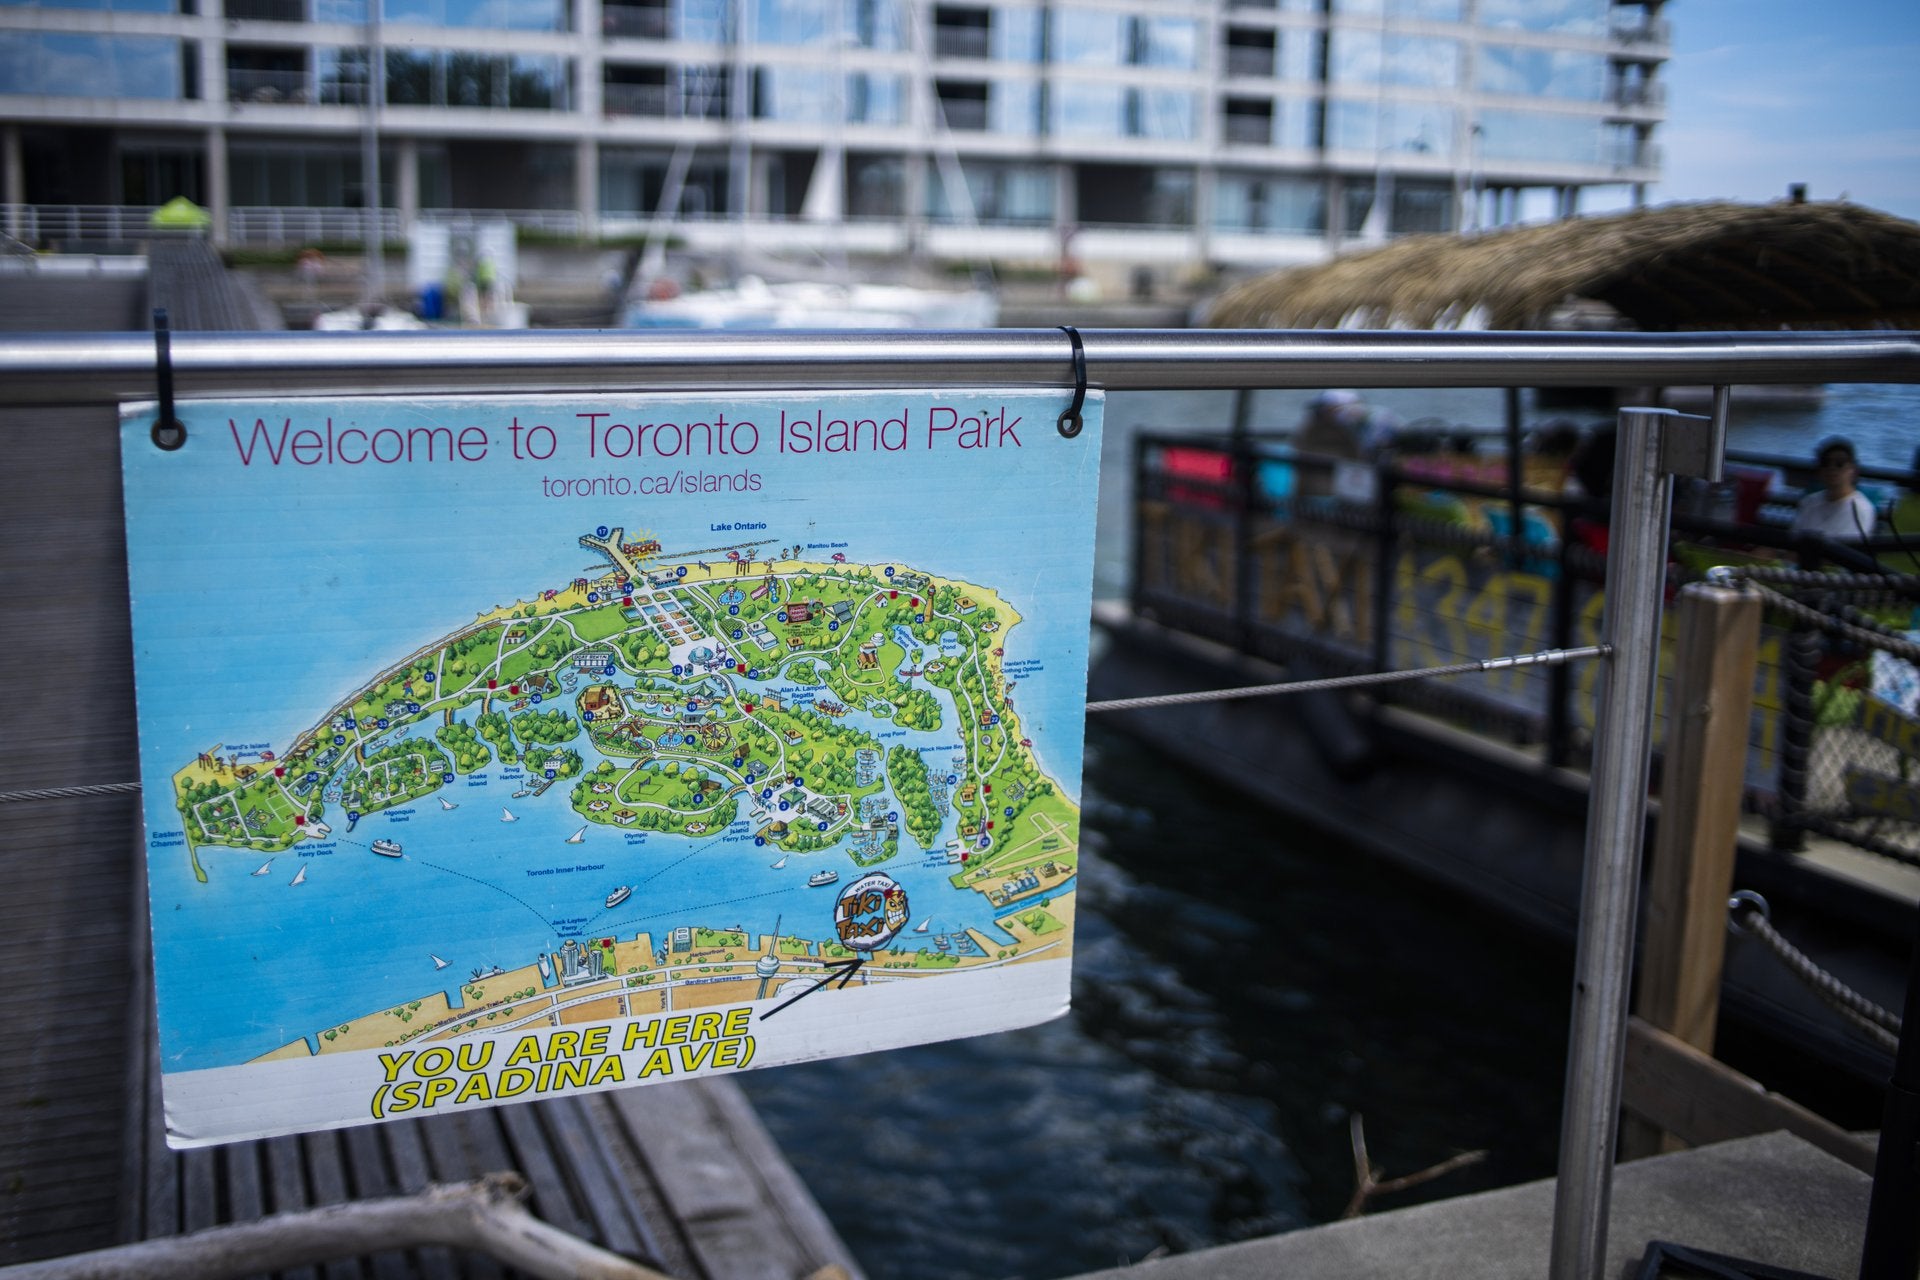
pixel 1692 266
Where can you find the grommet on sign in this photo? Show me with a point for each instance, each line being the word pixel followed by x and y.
pixel 168 432
pixel 1070 422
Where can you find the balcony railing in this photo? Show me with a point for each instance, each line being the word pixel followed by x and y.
pixel 1643 31
pixel 961 42
pixel 969 114
pixel 268 86
pixel 637 22
pixel 1646 155
pixel 1249 129
pixel 1644 93
pixel 635 100
pixel 268 10
pixel 1249 60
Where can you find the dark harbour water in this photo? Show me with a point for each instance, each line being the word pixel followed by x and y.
pixel 1240 987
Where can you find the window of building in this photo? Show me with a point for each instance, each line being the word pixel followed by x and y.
pixel 1019 35
pixel 634 182
pixel 1540 73
pixel 1539 136
pixel 1163 42
pixel 634 91
pixel 962 31
pixel 291 175
pixel 963 104
pixel 876 187
pixel 1402 128
pixel 1159 113
pixel 796 22
pixel 48 63
pixel 155 175
pixel 996 192
pixel 1134 195
pixel 795 94
pixel 1089 37
pixel 1567 17
pixel 340 76
pixel 1248 121
pixel 636 21
pixel 261 74
pixel 875 98
pixel 1087 110
pixel 1251 51
pixel 116 6
pixel 457 78
pixel 1258 202
pixel 875 24
pixel 1412 10
pixel 1357 56
pixel 520 15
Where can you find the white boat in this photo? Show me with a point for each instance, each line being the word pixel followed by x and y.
pixel 438 963
pixel 819 878
pixel 264 867
pixel 387 848
pixel 506 815
pixel 804 304
pixel 578 837
pixel 619 895
pixel 299 877
pixel 777 865
pixel 922 926
pixel 447 804
pixel 521 792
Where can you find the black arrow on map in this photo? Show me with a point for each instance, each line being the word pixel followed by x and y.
pixel 843 971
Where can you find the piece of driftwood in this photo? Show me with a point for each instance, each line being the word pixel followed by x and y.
pixel 486 1215
pixel 1367 1181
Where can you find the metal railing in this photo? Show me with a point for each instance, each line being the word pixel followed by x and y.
pixel 1250 60
pixel 268 86
pixel 102 371
pixel 955 41
pixel 1246 128
pixel 1358 567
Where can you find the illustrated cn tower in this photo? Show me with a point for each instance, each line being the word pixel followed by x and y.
pixel 769 964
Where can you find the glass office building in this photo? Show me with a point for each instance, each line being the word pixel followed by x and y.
pixel 1240 131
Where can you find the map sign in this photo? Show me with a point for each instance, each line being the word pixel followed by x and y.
pixel 500 748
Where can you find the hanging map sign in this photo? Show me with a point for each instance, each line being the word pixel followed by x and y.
pixel 495 749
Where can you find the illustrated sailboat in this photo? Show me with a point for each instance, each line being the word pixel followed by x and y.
pixel 299 877
pixel 263 867
pixel 438 963
pixel 777 865
pixel 922 926
pixel 578 837
pixel 447 804
pixel 506 815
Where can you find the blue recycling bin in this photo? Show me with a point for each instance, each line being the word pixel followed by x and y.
pixel 433 302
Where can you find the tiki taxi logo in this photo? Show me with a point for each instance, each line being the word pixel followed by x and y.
pixel 870 912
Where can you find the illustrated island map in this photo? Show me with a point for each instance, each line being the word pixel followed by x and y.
pixel 728 707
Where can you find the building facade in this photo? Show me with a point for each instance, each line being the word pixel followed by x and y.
pixel 1240 131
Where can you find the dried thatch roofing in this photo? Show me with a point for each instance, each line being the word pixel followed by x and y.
pixel 1694 266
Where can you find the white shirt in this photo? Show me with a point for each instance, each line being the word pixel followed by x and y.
pixel 1851 517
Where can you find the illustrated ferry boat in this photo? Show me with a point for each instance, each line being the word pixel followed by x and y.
pixel 387 848
pixel 619 895
pixel 819 878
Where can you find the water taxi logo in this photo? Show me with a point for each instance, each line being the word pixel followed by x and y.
pixel 870 912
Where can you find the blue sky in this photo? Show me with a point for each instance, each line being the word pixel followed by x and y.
pixel 1762 93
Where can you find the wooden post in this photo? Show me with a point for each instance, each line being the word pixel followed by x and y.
pixel 1702 779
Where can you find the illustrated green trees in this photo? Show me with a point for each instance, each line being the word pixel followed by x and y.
pixel 908 774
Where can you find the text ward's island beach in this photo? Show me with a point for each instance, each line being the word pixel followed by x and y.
pixel 800 721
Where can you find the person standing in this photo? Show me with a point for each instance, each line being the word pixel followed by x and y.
pixel 1838 509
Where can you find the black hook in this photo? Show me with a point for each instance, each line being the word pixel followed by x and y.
pixel 1070 422
pixel 169 432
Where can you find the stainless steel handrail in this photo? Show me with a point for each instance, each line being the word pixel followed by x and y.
pixel 69 369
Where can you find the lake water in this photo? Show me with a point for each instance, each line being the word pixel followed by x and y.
pixel 1241 987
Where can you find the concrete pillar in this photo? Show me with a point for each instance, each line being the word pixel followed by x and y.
pixel 407 183
pixel 586 186
pixel 219 199
pixel 913 199
pixel 13 178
